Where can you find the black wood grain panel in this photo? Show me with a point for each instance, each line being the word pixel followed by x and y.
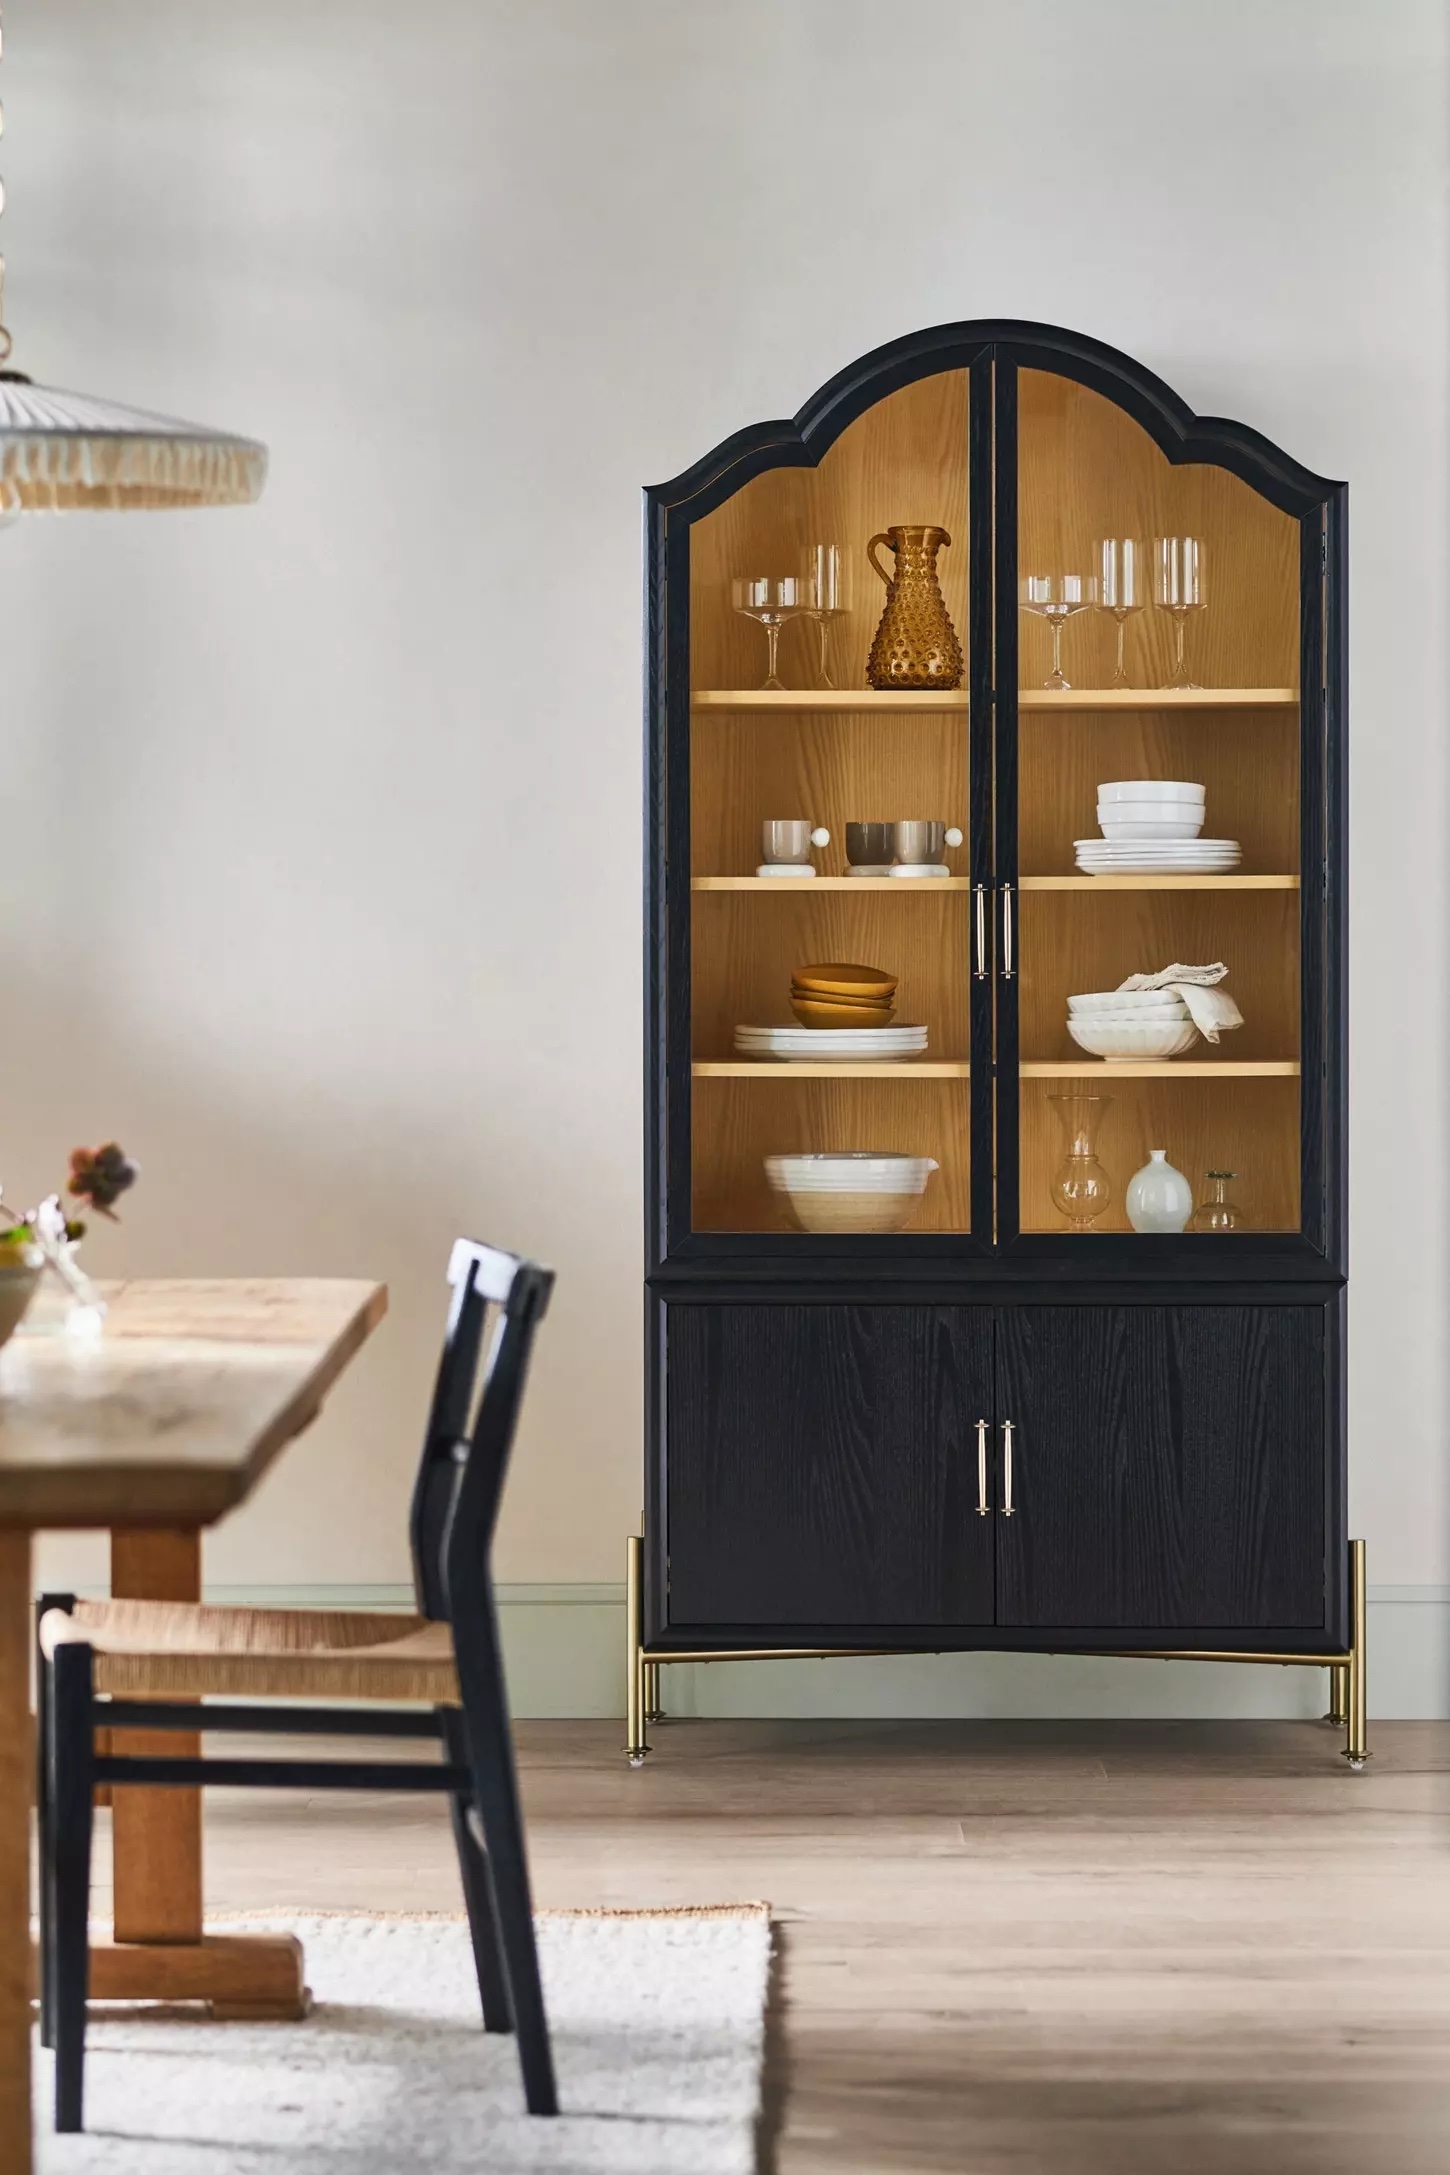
pixel 821 1465
pixel 1169 1466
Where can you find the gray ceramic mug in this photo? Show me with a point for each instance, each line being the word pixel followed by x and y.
pixel 790 839
pixel 868 845
pixel 920 843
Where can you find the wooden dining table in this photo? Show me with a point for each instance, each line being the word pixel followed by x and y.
pixel 155 1428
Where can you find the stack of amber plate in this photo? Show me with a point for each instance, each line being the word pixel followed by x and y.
pixel 843 996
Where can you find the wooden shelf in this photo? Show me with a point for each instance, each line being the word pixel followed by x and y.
pixel 1170 1068
pixel 808 884
pixel 1157 698
pixel 900 1068
pixel 1156 883
pixel 869 699
pixel 828 698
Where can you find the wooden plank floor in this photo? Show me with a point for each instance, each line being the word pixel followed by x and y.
pixel 1006 1948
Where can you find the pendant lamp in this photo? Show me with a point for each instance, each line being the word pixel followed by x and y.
pixel 64 451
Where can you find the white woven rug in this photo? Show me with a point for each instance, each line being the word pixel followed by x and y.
pixel 658 2022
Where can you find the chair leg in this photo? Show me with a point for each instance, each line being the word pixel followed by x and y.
pixel 491 1757
pixel 45 1852
pixel 477 1877
pixel 71 1810
pixel 45 1840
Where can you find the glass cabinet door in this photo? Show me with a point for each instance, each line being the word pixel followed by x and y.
pixel 786 730
pixel 1152 775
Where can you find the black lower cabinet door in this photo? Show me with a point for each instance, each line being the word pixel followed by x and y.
pixel 1168 1467
pixel 821 1465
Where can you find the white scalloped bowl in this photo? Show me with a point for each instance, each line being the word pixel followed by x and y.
pixel 1150 1002
pixel 1128 1045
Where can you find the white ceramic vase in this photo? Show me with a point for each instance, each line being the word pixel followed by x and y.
pixel 1159 1197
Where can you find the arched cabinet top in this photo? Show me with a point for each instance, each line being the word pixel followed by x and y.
pixel 1182 436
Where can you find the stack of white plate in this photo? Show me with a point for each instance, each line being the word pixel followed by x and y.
pixel 833 1045
pixel 1151 826
pixel 1124 1026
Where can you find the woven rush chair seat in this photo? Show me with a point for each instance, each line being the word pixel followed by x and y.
pixel 150 1649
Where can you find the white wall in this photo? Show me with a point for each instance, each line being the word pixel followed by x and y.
pixel 320 863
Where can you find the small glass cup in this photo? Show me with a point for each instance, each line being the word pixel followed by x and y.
pixel 1217 1212
pixel 772 599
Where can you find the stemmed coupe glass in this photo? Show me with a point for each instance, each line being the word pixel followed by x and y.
pixel 1178 588
pixel 1121 581
pixel 772 599
pixel 1055 597
pixel 826 594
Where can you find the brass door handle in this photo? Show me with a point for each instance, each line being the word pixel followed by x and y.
pixel 1006 932
pixel 981 941
pixel 1007 1469
pixel 983 1506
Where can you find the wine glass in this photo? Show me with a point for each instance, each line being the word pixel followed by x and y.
pixel 772 599
pixel 826 591
pixel 1121 582
pixel 1055 597
pixel 1178 588
pixel 1217 1212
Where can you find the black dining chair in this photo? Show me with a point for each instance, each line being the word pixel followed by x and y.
pixel 117 1665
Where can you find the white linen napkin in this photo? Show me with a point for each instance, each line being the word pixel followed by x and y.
pixel 1211 1010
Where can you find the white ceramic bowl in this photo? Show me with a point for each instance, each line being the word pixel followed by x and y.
pixel 849 1192
pixel 1152 789
pixel 1127 1000
pixel 829 1215
pixel 1128 1044
pixel 855 1171
pixel 1102 1022
pixel 1151 812
pixel 1134 833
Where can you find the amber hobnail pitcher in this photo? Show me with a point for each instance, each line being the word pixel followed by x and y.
pixel 916 644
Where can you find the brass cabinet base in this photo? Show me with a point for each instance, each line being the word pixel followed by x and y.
pixel 1348 1707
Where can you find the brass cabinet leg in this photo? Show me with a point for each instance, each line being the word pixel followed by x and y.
pixel 653 1711
pixel 1338 1694
pixel 636 1742
pixel 1356 1743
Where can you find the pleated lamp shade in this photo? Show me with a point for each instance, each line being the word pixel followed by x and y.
pixel 63 451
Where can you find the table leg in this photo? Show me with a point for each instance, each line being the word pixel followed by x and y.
pixel 17 1765
pixel 159 1952
pixel 156 1834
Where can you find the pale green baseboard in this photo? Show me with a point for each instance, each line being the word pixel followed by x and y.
pixel 565 1646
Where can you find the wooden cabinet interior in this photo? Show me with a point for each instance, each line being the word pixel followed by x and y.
pixel 828 765
pixel 739 1122
pixel 1247 761
pixel 904 460
pixel 1086 470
